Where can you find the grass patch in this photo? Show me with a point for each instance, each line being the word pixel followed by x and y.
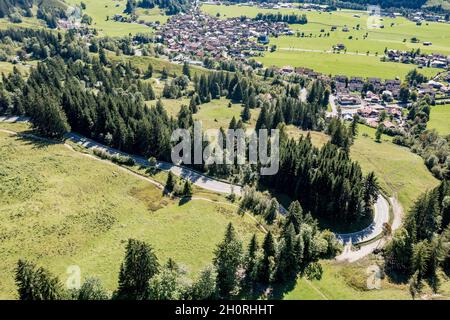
pixel 102 13
pixel 337 64
pixel 346 282
pixel 440 119
pixel 7 68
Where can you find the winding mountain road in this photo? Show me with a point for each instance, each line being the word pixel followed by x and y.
pixel 381 210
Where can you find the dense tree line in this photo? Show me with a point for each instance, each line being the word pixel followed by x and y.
pixel 422 247
pixel 325 181
pixel 362 4
pixel 289 109
pixel 279 17
pixel 7 7
pixel 170 7
pixel 113 111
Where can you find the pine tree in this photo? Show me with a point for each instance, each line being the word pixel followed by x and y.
pixel 237 94
pixel 354 126
pixel 262 122
pixel 149 72
pixel 193 105
pixel 139 266
pixel 164 73
pixel 36 283
pixel 246 115
pixel 288 261
pixel 227 260
pixel 102 56
pixel 170 182
pixel 186 70
pixel 294 216
pixel 232 124
pixel 187 188
pixel 251 263
pixel 378 133
pixel 272 212
pixel 267 263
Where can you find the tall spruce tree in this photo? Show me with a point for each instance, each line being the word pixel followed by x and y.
pixel 228 258
pixel 267 263
pixel 139 266
pixel 36 283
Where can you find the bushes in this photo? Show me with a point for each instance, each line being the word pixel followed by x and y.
pixel 260 204
pixel 116 158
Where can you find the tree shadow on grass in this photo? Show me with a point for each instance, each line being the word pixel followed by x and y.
pixel 36 141
pixel 281 289
pixel 397 277
pixel 184 200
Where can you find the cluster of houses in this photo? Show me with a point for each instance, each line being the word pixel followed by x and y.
pixel 432 60
pixel 345 85
pixel 197 35
pixel 434 88
pixel 419 17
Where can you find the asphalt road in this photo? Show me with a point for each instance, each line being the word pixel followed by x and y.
pixel 381 210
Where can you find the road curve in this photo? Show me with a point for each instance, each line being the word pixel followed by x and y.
pixel 381 209
pixel 381 216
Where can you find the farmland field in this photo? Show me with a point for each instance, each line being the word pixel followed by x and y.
pixel 440 119
pixel 51 207
pixel 297 51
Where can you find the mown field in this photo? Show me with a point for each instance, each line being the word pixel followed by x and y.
pixel 440 119
pixel 396 34
pixel 51 212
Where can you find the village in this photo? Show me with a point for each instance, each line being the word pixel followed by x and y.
pixel 374 100
pixel 379 102
pixel 197 35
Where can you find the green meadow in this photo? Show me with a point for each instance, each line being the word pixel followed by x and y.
pixel 341 64
pixel 50 205
pixel 102 12
pixel 440 119
pixel 298 51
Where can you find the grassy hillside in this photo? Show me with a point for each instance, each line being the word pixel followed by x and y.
pixel 51 207
pixel 440 119
pixel 399 171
